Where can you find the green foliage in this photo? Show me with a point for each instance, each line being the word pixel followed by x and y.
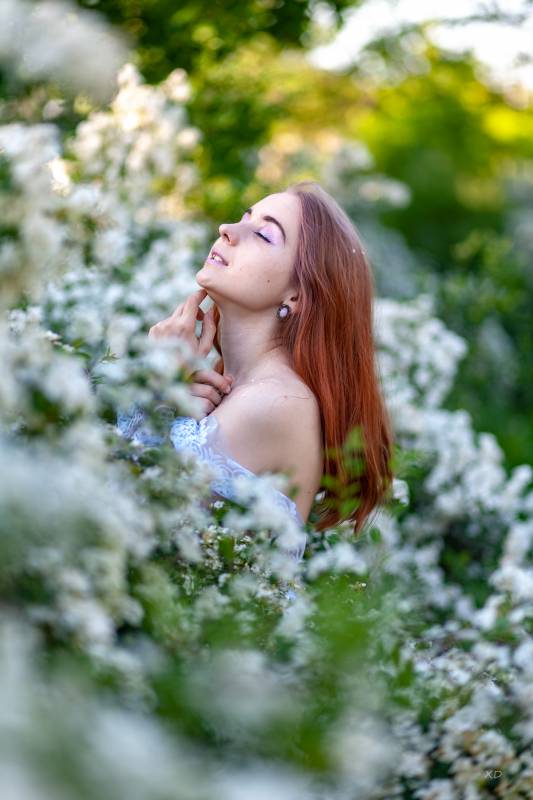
pixel 447 135
pixel 487 298
pixel 459 145
pixel 200 33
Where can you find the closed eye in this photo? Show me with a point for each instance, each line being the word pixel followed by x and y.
pixel 249 211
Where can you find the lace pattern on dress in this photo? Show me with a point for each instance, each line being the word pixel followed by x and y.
pixel 204 439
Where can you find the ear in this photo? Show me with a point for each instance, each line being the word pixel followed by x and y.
pixel 293 301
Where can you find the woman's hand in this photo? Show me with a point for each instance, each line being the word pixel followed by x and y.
pixel 211 386
pixel 182 323
pixel 207 384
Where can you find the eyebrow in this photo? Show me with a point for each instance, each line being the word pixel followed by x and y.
pixel 268 218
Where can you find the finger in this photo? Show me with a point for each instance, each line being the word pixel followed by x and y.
pixel 156 331
pixel 194 299
pixel 165 328
pixel 190 306
pixel 209 328
pixel 210 377
pixel 206 408
pixel 206 391
pixel 214 378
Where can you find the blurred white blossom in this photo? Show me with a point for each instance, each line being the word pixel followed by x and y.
pixel 27 29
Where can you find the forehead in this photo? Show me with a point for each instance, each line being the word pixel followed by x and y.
pixel 285 207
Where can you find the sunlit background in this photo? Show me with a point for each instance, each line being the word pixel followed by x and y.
pixel 498 33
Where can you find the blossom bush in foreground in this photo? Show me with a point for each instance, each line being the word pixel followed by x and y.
pixel 148 636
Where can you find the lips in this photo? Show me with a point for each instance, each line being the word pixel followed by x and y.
pixel 216 253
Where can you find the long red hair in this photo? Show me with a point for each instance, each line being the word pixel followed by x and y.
pixel 331 347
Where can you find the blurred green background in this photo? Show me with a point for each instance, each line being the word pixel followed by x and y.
pixel 429 118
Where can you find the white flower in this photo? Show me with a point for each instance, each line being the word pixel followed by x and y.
pixel 67 383
pixel 400 490
pixel 27 28
pixel 342 557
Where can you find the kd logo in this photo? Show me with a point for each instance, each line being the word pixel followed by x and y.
pixel 493 774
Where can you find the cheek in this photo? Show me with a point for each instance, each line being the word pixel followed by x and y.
pixel 278 275
pixel 266 274
pixel 272 281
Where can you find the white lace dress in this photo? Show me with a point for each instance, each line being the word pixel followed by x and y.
pixel 204 438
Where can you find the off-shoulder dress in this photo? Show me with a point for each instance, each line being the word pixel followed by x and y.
pixel 205 439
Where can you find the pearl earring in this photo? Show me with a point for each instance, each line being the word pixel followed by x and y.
pixel 283 311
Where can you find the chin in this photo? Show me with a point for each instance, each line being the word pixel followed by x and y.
pixel 204 283
pixel 199 278
pixel 205 278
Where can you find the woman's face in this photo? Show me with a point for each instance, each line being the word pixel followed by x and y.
pixel 259 255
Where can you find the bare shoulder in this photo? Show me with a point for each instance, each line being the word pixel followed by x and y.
pixel 274 402
pixel 272 424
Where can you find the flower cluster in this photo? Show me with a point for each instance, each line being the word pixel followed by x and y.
pixel 27 29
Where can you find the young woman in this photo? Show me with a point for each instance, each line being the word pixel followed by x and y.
pixel 292 322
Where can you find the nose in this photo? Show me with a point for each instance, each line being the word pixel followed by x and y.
pixel 227 230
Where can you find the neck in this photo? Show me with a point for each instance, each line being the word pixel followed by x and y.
pixel 246 343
